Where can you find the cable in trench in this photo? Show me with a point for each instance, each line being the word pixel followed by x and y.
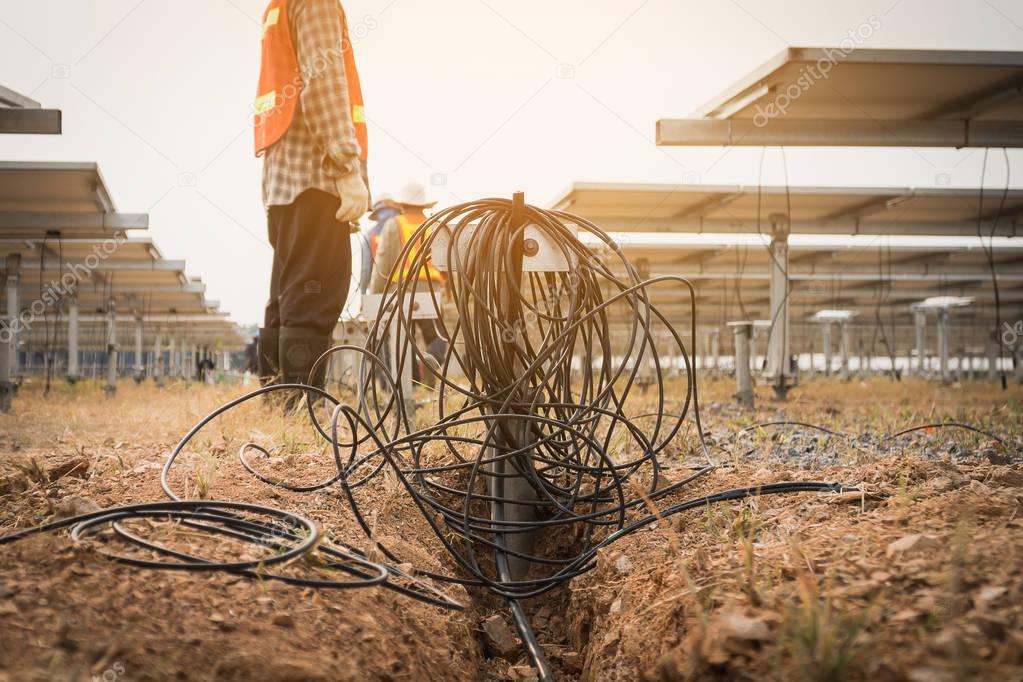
pixel 532 394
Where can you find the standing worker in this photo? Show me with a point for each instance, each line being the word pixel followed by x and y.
pixel 310 127
pixel 394 235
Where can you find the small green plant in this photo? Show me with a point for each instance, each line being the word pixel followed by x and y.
pixel 820 641
pixel 33 470
pixel 204 475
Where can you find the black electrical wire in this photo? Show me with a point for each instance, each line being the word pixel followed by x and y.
pixel 518 412
pixel 947 425
pixel 989 251
pixel 816 427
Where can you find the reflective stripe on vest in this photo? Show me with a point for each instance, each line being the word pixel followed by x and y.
pixel 280 81
pixel 406 229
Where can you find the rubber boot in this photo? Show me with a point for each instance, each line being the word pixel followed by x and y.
pixel 299 348
pixel 266 355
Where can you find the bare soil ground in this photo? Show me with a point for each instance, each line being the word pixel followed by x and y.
pixel 919 578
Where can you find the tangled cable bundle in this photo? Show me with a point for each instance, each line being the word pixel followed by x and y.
pixel 531 396
pixel 532 463
pixel 540 395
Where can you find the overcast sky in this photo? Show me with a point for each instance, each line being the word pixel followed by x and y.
pixel 473 98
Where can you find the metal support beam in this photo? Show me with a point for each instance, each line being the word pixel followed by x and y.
pixel 158 370
pixel 112 349
pixel 53 269
pixel 140 367
pixel 920 320
pixel 801 132
pixel 189 368
pixel 754 346
pixel 994 351
pixel 6 379
pixel 743 332
pixel 71 223
pixel 1007 226
pixel 505 483
pixel 8 336
pixel 13 312
pixel 73 371
pixel 778 341
pixel 843 328
pixel 715 350
pixel 30 121
pixel 346 368
pixel 173 368
pixel 826 342
pixel 943 342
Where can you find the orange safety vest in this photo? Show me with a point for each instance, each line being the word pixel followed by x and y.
pixel 406 228
pixel 280 81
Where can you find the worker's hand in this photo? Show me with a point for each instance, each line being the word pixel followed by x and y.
pixel 354 194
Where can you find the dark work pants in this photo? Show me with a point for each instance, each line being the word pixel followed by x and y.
pixel 312 267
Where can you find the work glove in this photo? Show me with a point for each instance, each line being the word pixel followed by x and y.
pixel 354 194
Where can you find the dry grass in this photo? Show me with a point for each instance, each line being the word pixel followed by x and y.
pixel 786 588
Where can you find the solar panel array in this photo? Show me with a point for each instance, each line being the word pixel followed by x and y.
pixel 76 267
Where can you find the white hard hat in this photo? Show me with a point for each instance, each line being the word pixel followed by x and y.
pixel 414 195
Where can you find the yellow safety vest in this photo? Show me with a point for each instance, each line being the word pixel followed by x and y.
pixel 406 229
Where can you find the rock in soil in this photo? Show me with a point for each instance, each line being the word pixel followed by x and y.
pixel 499 639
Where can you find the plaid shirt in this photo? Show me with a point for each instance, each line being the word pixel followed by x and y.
pixel 320 144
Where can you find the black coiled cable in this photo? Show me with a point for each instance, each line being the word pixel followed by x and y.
pixel 531 412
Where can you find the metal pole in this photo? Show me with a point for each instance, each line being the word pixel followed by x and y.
pixel 8 338
pixel 13 313
pixel 943 344
pixel 715 350
pixel 510 481
pixel 140 368
pixel 753 349
pixel 920 319
pixel 778 342
pixel 72 341
pixel 992 357
pixel 112 349
pixel 826 340
pixel 186 369
pixel 171 364
pixel 843 329
pixel 6 385
pixel 158 359
pixel 743 331
pixel 397 345
pixel 179 358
